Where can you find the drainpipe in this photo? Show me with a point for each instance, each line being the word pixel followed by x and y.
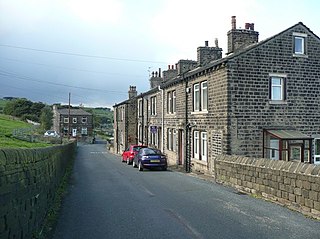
pixel 162 118
pixel 187 136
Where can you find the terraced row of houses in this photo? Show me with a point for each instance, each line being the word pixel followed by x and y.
pixel 261 100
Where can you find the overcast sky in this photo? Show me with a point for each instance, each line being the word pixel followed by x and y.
pixel 95 49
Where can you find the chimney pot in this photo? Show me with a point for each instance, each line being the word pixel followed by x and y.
pixel 172 67
pixel 168 67
pixel 159 72
pixel 206 43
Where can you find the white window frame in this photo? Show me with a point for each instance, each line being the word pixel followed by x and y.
pixel 204 96
pixel 74 120
pixel 66 120
pixel 84 120
pixel 153 105
pixel 204 146
pixel 140 110
pixel 169 102
pixel 299 44
pixel 196 144
pixel 174 140
pixel 196 97
pixel 282 86
pixel 316 152
pixel 169 139
pixel 174 100
pixel 84 131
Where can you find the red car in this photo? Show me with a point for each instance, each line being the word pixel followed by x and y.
pixel 130 152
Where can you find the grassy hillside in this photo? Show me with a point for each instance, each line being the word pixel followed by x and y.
pixel 7 125
pixel 2 104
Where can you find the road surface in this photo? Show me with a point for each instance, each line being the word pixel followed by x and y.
pixel 109 199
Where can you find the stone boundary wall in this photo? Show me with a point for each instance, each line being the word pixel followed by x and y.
pixel 28 181
pixel 294 184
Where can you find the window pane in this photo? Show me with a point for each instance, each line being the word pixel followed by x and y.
pixel 299 45
pixel 196 98
pixel 204 146
pixel 204 96
pixel 317 147
pixel 276 88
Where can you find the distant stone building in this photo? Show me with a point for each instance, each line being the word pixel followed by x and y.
pixel 74 122
pixel 261 100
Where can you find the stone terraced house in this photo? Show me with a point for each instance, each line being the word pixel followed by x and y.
pixel 261 100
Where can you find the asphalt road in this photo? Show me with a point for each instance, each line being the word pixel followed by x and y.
pixel 109 199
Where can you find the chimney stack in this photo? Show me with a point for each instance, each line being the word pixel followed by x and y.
pixel 132 92
pixel 233 23
pixel 240 38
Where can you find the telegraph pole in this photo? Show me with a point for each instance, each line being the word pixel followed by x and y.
pixel 69 126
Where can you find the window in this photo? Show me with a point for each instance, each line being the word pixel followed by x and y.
pixel 140 133
pixel 66 120
pixel 204 147
pixel 277 88
pixel 174 140
pixel 200 146
pixel 317 151
pixel 204 96
pixel 74 120
pixel 200 96
pixel 84 131
pixel 169 139
pixel 196 97
pixel 171 102
pixel 84 120
pixel 299 44
pixel 140 107
pixel 196 144
pixel 174 101
pixel 153 109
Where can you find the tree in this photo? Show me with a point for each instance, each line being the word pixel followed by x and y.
pixel 46 117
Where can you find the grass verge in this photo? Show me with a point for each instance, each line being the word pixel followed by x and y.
pixel 52 216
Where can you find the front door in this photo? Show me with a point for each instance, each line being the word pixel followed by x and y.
pixel 74 132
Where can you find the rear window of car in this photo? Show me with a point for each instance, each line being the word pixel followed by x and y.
pixel 137 148
pixel 151 151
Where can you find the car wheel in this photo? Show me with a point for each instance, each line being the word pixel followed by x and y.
pixel 140 167
pixel 134 164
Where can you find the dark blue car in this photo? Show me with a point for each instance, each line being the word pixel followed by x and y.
pixel 150 158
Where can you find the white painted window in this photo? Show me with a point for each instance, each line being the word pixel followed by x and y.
pixel 277 88
pixel 66 120
pixel 74 120
pixel 204 96
pixel 174 140
pixel 299 45
pixel 84 131
pixel 84 120
pixel 196 145
pixel 274 149
pixel 317 150
pixel 204 146
pixel 174 101
pixel 196 97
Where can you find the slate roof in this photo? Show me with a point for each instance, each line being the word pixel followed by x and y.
pixel 75 112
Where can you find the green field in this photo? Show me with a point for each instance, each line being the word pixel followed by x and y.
pixel 7 125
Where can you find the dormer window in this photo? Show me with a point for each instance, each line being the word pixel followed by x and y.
pixel 299 44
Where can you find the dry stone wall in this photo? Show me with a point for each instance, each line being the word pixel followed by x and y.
pixel 28 182
pixel 294 184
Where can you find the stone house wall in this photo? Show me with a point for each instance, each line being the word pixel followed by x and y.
pixel 251 111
